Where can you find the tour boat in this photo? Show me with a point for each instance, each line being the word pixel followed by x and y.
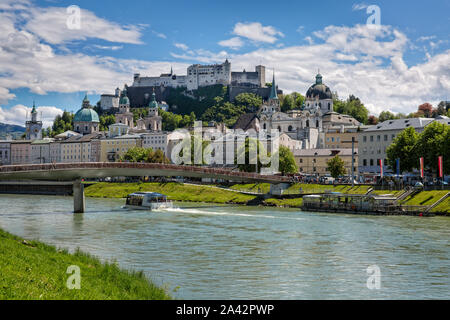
pixel 147 201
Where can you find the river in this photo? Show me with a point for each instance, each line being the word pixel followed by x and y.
pixel 238 252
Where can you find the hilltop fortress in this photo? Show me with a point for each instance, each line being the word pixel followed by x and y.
pixel 206 75
pixel 196 76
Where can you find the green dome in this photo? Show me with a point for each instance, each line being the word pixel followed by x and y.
pixel 153 103
pixel 86 115
pixel 123 97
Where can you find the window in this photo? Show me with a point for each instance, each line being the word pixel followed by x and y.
pixel 364 138
pixel 371 138
pixel 365 162
pixel 385 137
pixel 371 162
pixel 378 138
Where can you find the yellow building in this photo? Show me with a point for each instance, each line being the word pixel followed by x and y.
pixel 111 149
pixel 78 148
pixel 314 161
pixel 341 137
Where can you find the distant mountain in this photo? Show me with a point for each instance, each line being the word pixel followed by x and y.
pixel 11 129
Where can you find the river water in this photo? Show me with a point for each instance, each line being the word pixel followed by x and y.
pixel 238 252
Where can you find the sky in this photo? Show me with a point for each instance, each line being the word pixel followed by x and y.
pixel 393 55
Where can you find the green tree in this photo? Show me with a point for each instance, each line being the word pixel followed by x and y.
pixel 251 151
pixel 287 161
pixel 106 121
pixel 386 115
pixel 137 154
pixel 336 167
pixel 157 156
pixel 352 107
pixel 404 148
pixel 432 143
pixel 249 101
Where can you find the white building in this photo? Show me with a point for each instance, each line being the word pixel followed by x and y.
pixel 5 153
pixel 310 122
pixel 205 75
pixel 374 141
pixel 40 151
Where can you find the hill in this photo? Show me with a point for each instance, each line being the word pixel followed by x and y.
pixel 11 129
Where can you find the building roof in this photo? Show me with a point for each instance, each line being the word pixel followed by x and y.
pixel 400 124
pixel 319 90
pixel 324 152
pixel 273 89
pixel 124 98
pixel 86 115
pixel 245 121
pixel 85 138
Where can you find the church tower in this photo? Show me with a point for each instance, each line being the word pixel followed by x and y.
pixel 33 127
pixel 125 116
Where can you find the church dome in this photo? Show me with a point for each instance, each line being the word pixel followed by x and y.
pixel 86 115
pixel 319 90
pixel 124 98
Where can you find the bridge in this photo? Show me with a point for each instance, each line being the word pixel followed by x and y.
pixel 75 172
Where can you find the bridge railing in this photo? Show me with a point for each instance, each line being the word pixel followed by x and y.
pixel 128 165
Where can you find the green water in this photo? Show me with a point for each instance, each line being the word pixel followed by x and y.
pixel 236 252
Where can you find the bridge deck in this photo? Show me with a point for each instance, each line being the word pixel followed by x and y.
pixel 73 171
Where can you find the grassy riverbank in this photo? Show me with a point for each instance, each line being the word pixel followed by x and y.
pixel 213 194
pixel 36 271
pixel 175 191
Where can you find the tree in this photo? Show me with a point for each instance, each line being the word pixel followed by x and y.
pixel 372 120
pixel 426 109
pixel 403 148
pixel 249 101
pixel 432 143
pixel 251 151
pixel 336 167
pixel 386 115
pixel 286 161
pixel 352 107
pixel 106 121
pixel 157 156
pixel 136 154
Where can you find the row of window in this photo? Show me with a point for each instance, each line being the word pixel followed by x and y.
pixel 385 138
pixel 373 163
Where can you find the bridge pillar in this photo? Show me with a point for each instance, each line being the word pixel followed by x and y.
pixel 277 189
pixel 78 197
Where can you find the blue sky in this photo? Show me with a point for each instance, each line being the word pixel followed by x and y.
pixel 399 65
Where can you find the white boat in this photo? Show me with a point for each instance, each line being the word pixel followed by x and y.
pixel 147 201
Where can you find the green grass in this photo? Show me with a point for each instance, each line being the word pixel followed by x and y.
pixel 174 191
pixel 444 206
pixel 292 203
pixel 424 198
pixel 36 271
pixel 254 187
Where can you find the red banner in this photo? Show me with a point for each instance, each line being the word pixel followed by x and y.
pixel 381 167
pixel 421 167
pixel 441 166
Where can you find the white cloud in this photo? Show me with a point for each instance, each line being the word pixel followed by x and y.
pixel 355 60
pixel 359 6
pixel 159 34
pixel 426 38
pixel 113 48
pixel 181 46
pixel 233 43
pixel 300 29
pixel 50 24
pixel 17 115
pixel 257 32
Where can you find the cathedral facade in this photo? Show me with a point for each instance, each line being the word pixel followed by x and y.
pixel 308 123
